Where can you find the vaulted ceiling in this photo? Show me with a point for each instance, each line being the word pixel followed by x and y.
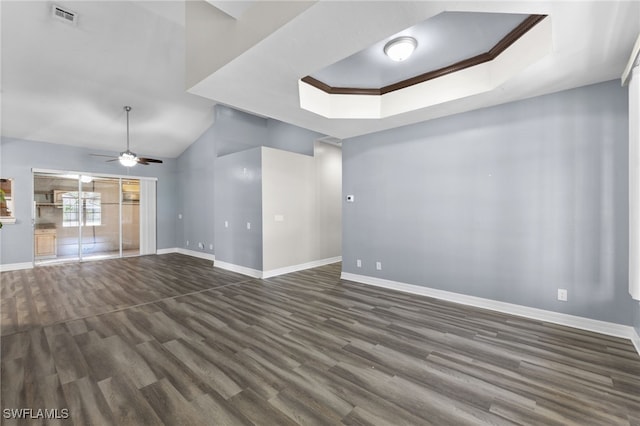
pixel 173 60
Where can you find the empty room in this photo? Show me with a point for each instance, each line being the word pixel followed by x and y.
pixel 319 212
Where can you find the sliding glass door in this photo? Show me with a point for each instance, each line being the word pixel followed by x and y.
pixel 79 217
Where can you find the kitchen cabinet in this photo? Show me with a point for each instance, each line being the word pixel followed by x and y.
pixel 45 243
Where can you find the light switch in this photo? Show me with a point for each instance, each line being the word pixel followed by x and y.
pixel 226 224
pixel 248 225
pixel 279 218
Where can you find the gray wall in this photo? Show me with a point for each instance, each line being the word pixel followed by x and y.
pixel 18 157
pixel 328 200
pixel 238 201
pixel 195 170
pixel 291 138
pixel 236 131
pixel 507 203
pixel 232 131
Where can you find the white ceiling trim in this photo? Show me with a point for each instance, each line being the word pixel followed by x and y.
pixel 634 60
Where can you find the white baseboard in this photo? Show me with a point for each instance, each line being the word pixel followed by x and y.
pixel 254 273
pixel 16 266
pixel 300 267
pixel 608 328
pixel 167 250
pixel 192 253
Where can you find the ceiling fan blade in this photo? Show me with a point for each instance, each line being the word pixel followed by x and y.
pixel 114 159
pixel 149 160
pixel 143 161
pixel 102 155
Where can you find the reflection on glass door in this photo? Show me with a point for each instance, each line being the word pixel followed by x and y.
pixel 100 218
pixel 84 217
pixel 55 197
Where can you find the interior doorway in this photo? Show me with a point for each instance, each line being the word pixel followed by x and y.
pixel 82 217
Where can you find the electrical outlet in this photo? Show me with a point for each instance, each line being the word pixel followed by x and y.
pixel 226 224
pixel 210 246
pixel 201 246
pixel 179 215
pixel 379 266
pixel 562 294
pixel 248 225
pixel 359 263
pixel 187 242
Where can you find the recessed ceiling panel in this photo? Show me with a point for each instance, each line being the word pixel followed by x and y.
pixel 443 40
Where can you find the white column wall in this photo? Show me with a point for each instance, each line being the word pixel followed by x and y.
pixel 301 208
pixel 147 216
pixel 288 208
pixel 634 183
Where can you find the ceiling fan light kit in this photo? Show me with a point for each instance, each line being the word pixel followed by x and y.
pixel 128 159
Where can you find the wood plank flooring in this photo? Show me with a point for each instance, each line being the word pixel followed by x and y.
pixel 170 340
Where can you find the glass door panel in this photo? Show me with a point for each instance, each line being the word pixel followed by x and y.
pixel 130 217
pixel 56 218
pixel 100 217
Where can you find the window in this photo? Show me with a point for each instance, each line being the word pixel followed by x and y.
pixel 91 213
pixel 6 202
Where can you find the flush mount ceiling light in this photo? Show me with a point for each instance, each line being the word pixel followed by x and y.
pixel 400 48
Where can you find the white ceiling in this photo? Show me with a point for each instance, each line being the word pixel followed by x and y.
pixel 66 84
pixel 443 40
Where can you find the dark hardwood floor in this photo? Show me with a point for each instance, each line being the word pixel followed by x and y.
pixel 169 340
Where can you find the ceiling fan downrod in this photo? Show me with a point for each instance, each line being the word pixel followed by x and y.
pixel 128 158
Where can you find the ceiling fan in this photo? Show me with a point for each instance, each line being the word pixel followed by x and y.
pixel 128 158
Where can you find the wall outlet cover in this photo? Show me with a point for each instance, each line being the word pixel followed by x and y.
pixel 562 294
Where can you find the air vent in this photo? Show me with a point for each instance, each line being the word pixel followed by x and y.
pixel 64 15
